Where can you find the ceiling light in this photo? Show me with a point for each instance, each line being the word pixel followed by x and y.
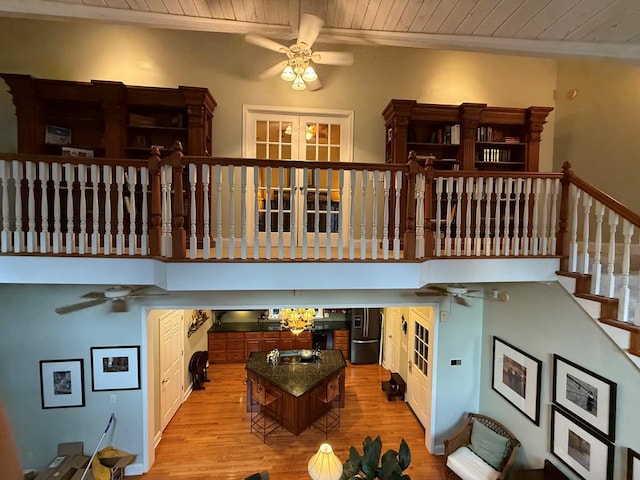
pixel 309 74
pixel 287 74
pixel 298 84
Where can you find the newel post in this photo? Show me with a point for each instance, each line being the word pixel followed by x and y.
pixel 429 175
pixel 155 220
pixel 562 245
pixel 410 219
pixel 179 234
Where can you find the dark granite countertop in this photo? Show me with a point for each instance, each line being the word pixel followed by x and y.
pixel 318 326
pixel 291 374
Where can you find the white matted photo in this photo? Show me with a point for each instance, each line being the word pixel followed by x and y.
pixel 62 383
pixel 115 368
pixel 516 377
pixel 580 448
pixel 586 395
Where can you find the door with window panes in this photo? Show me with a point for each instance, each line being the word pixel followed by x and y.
pixel 302 202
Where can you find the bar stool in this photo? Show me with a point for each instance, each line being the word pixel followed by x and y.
pixel 267 417
pixel 328 394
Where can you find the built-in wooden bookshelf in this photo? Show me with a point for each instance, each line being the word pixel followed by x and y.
pixel 109 119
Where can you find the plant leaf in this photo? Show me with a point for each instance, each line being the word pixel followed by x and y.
pixel 404 456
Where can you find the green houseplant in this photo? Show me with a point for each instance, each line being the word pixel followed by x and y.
pixel 371 466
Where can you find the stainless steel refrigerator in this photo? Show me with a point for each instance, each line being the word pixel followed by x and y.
pixel 365 334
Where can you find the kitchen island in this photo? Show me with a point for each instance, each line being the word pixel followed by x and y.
pixel 298 384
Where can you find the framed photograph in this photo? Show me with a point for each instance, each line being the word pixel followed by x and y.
pixel 588 396
pixel 62 383
pixel 633 465
pixel 516 377
pixel 580 448
pixel 115 368
pixel 57 135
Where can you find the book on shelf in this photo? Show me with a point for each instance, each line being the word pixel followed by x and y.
pixel 512 139
pixel 495 155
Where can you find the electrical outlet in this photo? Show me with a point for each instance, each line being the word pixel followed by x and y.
pixel 444 315
pixel 455 362
pixel 113 398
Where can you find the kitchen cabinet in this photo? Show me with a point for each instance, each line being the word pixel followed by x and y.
pixel 226 347
pixel 341 342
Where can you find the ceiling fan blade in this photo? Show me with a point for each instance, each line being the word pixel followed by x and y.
pixel 79 306
pixel 94 295
pixel 333 58
pixel 460 300
pixel 315 85
pixel 273 71
pixel 429 293
pixel 266 43
pixel 309 29
pixel 119 305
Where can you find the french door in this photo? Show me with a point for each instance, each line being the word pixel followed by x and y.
pixel 421 329
pixel 302 206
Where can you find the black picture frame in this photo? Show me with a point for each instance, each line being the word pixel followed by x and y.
pixel 580 447
pixel 588 397
pixel 62 383
pixel 633 465
pixel 516 377
pixel 115 368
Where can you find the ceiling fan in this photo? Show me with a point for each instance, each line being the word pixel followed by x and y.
pixel 117 295
pixel 458 292
pixel 297 68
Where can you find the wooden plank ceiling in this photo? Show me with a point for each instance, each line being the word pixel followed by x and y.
pixel 593 28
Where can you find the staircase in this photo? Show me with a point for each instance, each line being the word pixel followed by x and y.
pixel 604 311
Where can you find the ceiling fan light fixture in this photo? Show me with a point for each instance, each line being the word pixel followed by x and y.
pixel 309 74
pixel 287 74
pixel 298 83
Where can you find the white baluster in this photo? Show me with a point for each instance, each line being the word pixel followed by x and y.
pixel 144 236
pixel 545 216
pixel 508 208
pixel 193 238
pixel 468 241
pixel 437 233
pixel 526 241
pixel 43 173
pixel 82 183
pixel 396 226
pixel 352 197
pixel 613 226
pixel 165 180
pixel 280 213
pixel 256 212
pixel 316 223
pixel 232 220
pixel 69 172
pixel 449 215
pixel 458 216
pixel 340 214
pixel 95 210
pixel 292 214
pixel 243 212
pixel 487 216
pixel 328 222
pixel 5 235
pixel 596 266
pixel 554 214
pixel 18 234
pixel 478 196
pixel 623 303
pixel 385 229
pixel 363 215
pixel 217 181
pixel 30 175
pixel 499 228
pixel 573 232
pixel 586 216
pixel 517 205
pixel 120 210
pixel 420 248
pixel 267 219
pixel 304 226
pixel 56 173
pixel 206 213
pixel 535 232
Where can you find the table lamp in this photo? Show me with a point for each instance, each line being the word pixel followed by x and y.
pixel 324 464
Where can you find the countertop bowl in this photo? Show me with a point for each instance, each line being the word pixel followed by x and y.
pixel 306 354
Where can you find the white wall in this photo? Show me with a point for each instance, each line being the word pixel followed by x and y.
pixel 539 320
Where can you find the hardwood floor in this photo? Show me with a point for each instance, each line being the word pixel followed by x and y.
pixel 209 437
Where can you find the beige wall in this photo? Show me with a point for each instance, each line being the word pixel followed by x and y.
pixel 228 66
pixel 597 131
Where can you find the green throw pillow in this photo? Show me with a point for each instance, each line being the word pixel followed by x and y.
pixel 488 445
